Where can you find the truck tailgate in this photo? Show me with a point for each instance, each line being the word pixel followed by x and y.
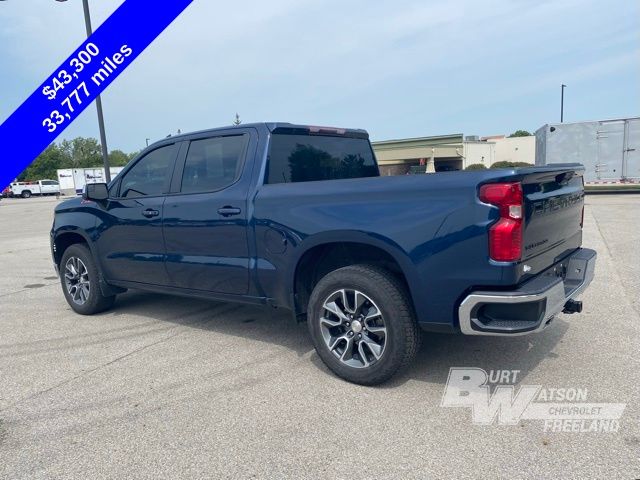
pixel 553 202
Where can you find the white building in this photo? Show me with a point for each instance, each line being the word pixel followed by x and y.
pixel 514 149
pixel 451 152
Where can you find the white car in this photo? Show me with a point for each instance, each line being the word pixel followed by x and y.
pixel 41 187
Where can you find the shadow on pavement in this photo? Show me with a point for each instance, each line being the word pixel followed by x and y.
pixel 438 353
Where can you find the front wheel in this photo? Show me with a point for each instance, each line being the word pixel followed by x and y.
pixel 362 324
pixel 79 278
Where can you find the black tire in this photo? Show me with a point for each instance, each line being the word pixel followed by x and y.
pixel 386 294
pixel 26 194
pixel 95 301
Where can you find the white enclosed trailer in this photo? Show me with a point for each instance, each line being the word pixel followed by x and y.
pixel 609 149
pixel 73 180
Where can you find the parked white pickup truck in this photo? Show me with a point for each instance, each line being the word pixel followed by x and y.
pixel 41 187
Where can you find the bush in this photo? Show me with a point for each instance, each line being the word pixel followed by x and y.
pixel 476 166
pixel 511 164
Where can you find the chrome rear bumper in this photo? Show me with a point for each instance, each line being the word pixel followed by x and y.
pixel 531 307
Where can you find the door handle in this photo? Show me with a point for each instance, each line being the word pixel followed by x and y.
pixel 228 211
pixel 149 213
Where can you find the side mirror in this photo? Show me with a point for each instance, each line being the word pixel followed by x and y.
pixel 95 191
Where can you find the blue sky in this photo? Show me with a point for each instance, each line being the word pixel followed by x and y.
pixel 396 68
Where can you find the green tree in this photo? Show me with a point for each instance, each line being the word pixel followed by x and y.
pixel 77 153
pixel 117 158
pixel 46 164
pixel 520 133
pixel 83 152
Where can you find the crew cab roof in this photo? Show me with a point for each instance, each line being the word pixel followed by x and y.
pixel 280 127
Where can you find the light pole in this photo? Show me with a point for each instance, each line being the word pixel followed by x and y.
pixel 562 102
pixel 103 135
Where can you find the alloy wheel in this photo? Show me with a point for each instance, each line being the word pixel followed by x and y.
pixel 76 279
pixel 353 328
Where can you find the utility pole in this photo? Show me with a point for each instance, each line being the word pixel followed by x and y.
pixel 103 135
pixel 562 102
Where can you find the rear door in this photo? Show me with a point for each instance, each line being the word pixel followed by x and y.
pixel 610 138
pixel 49 187
pixel 130 241
pixel 632 151
pixel 205 221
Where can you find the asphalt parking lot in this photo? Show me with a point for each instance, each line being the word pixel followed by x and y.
pixel 165 387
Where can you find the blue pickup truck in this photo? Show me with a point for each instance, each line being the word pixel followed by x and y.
pixel 298 217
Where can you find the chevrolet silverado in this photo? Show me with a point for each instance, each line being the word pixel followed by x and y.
pixel 298 217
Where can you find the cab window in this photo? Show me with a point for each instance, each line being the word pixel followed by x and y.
pixel 307 158
pixel 213 163
pixel 150 175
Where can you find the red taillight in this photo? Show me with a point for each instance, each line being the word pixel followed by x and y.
pixel 505 236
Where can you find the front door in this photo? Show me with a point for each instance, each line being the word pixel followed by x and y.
pixel 130 242
pixel 205 217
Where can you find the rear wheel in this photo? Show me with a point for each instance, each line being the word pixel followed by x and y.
pixel 26 194
pixel 362 324
pixel 79 278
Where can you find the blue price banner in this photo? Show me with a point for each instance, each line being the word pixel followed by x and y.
pixel 80 79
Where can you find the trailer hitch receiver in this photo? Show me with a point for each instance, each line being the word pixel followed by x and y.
pixel 572 306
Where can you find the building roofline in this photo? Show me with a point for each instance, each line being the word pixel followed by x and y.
pixel 418 139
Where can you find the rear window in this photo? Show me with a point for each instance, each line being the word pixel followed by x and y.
pixel 213 163
pixel 307 158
